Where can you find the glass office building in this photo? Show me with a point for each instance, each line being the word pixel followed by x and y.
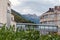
pixel 42 28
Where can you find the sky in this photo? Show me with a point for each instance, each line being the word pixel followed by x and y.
pixel 37 7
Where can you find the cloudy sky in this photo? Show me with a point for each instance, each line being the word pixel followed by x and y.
pixel 33 6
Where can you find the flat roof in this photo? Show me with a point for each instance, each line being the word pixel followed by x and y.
pixel 36 24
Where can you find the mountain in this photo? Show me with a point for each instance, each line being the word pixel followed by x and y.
pixel 18 17
pixel 34 18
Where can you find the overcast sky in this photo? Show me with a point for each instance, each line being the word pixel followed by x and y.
pixel 33 6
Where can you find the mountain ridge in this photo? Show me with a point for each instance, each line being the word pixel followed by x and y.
pixel 34 18
pixel 18 17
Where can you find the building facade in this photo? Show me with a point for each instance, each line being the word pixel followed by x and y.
pixel 42 28
pixel 5 13
pixel 52 16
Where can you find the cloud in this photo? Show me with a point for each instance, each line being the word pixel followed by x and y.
pixel 26 10
pixel 33 6
pixel 15 2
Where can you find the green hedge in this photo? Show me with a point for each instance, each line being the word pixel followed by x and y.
pixel 10 34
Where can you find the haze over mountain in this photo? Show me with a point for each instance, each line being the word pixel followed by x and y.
pixel 34 18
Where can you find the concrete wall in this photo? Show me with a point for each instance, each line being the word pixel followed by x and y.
pixel 5 11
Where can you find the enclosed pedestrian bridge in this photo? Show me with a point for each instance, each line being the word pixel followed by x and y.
pixel 43 28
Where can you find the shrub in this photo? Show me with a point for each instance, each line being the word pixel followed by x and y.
pixel 10 34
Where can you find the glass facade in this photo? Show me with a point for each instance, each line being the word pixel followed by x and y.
pixel 48 28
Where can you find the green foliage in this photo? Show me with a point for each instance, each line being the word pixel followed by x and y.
pixel 10 34
pixel 19 19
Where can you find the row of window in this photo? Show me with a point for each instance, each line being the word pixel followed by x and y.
pixel 47 27
pixel 50 22
pixel 38 26
pixel 42 27
pixel 51 16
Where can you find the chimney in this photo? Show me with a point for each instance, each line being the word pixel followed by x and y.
pixel 57 8
pixel 51 10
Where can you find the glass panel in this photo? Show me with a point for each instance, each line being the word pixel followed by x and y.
pixel 51 28
pixel 55 27
pixel 42 27
pixel 46 27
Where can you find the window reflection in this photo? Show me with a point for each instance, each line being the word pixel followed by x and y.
pixel 48 28
pixel 41 27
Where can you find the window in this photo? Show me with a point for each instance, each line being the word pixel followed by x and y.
pixel 58 22
pixel 51 22
pixel 52 15
pixel 45 22
pixel 40 22
pixel 42 27
pixel 58 15
pixel 55 27
pixel 8 11
pixel 51 28
pixel 46 16
pixel 8 4
pixel 46 27
pixel 12 18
